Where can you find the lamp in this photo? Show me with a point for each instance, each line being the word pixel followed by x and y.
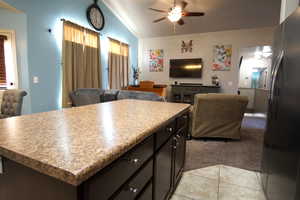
pixel 175 14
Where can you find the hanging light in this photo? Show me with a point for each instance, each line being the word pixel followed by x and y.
pixel 175 14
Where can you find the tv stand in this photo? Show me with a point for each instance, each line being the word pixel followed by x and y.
pixel 191 84
pixel 185 92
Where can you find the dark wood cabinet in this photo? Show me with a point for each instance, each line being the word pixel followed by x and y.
pixel 185 93
pixel 111 178
pixel 170 158
pixel 149 171
pixel 163 171
pixel 179 150
pixel 147 194
pixel 135 185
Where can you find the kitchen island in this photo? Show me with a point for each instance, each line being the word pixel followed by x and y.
pixel 126 149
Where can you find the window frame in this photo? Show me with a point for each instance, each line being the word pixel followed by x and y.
pixel 13 77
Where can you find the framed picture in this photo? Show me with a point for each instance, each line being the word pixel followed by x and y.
pixel 156 60
pixel 222 57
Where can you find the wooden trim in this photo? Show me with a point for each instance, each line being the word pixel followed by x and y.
pixel 4 37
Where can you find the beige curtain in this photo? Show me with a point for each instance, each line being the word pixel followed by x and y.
pixel 81 60
pixel 118 61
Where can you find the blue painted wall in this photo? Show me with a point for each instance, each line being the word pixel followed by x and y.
pixel 44 49
pixel 18 23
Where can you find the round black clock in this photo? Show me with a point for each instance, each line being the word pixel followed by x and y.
pixel 95 16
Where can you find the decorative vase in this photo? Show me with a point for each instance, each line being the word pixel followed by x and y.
pixel 136 82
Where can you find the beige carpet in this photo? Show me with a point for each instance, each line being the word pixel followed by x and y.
pixel 245 154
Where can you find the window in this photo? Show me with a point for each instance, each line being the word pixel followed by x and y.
pixel 81 60
pixel 2 62
pixel 118 61
pixel 8 60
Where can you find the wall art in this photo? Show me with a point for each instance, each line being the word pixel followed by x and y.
pixel 156 60
pixel 222 57
pixel 187 46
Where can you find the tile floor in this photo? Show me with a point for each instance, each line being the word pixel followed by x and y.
pixel 219 182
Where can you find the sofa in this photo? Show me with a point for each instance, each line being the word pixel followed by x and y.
pixel 86 96
pixel 218 116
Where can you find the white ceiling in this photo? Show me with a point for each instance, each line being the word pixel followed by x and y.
pixel 220 15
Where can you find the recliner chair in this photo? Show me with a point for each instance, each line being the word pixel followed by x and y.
pixel 218 116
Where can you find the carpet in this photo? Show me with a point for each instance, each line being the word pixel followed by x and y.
pixel 244 154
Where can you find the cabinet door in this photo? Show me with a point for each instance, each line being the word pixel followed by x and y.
pixel 179 155
pixel 163 171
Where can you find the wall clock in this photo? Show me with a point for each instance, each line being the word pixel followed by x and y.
pixel 95 16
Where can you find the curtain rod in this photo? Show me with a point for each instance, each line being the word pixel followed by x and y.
pixel 64 20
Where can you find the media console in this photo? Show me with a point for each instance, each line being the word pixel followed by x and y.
pixel 184 93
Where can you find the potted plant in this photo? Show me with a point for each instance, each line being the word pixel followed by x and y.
pixel 136 74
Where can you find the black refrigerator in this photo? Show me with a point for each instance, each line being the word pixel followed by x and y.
pixel 281 151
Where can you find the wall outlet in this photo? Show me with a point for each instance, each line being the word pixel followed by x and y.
pixel 35 79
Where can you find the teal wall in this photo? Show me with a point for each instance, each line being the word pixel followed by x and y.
pixel 44 49
pixel 18 23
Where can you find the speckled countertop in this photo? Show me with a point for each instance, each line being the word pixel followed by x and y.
pixel 74 144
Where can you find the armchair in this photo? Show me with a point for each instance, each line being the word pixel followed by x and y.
pixel 12 101
pixel 218 115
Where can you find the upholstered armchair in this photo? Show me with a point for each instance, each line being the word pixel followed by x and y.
pixel 86 96
pixel 218 116
pixel 12 101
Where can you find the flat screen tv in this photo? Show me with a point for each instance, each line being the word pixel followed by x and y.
pixel 186 68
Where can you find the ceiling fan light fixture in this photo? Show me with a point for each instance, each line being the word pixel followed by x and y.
pixel 175 14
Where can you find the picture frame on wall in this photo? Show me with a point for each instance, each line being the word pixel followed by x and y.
pixel 156 63
pixel 222 57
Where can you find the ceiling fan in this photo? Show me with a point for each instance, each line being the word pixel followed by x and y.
pixel 176 12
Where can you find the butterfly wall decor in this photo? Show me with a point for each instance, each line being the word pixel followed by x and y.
pixel 187 46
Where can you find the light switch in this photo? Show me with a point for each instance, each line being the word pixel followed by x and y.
pixel 230 83
pixel 35 79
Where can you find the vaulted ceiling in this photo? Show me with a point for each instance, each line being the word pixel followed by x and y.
pixel 219 15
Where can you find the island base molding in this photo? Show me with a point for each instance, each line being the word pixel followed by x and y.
pixel 149 171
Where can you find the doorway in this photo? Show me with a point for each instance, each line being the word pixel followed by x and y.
pixel 254 77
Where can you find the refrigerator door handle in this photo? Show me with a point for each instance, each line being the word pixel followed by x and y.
pixel 272 103
pixel 275 74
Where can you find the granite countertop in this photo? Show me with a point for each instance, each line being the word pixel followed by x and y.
pixel 73 144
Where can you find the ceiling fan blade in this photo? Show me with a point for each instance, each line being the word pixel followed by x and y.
pixel 157 10
pixel 193 14
pixel 160 19
pixel 180 22
pixel 183 5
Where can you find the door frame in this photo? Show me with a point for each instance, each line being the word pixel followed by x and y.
pixel 11 34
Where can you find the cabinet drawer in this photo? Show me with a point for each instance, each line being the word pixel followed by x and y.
pixel 182 121
pixel 131 190
pixel 110 179
pixel 193 89
pixel 147 193
pixel 163 135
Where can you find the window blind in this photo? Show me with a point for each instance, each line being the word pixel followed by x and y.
pixel 2 61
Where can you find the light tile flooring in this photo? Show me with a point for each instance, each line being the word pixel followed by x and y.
pixel 219 183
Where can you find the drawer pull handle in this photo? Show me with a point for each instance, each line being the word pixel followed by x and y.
pixel 170 130
pixel 185 117
pixel 135 160
pixel 133 190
